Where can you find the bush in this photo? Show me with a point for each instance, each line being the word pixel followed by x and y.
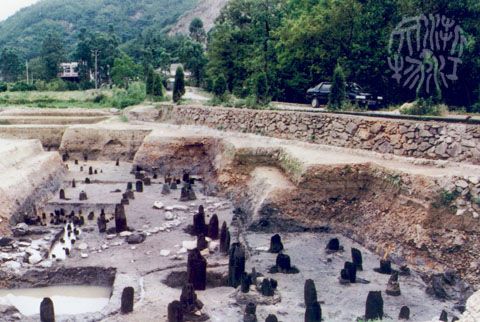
pixel 179 85
pixel 86 85
pixel 100 98
pixel 261 89
pixel 208 84
pixel 219 86
pixel 337 95
pixel 3 87
pixel 425 107
pixel 135 94
pixel 22 87
pixel 57 85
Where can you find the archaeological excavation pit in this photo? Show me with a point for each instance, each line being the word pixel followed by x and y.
pixel 156 220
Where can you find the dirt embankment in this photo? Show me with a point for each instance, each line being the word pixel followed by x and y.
pixel 394 207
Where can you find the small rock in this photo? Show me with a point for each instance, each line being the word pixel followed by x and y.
pixel 169 215
pixel 82 246
pixel 164 252
pixel 35 258
pixel 84 255
pixel 462 184
pixel 46 264
pixel 158 205
pixel 111 236
pixel 474 180
pixel 189 244
pixel 125 233
pixel 12 265
pixel 136 238
pixel 20 230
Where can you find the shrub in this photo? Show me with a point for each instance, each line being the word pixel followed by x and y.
pixel 57 85
pixel 425 107
pixel 99 98
pixel 445 199
pixel 208 84
pixel 179 85
pixel 135 94
pixel 86 85
pixel 337 95
pixel 3 87
pixel 261 89
pixel 220 86
pixel 22 87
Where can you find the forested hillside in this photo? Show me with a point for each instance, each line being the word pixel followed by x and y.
pixel 26 30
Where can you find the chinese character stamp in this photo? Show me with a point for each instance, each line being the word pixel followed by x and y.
pixel 424 52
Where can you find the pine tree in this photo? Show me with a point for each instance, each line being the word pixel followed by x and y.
pixel 158 89
pixel 338 93
pixel 150 81
pixel 197 31
pixel 179 85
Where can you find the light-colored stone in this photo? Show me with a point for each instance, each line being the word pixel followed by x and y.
pixel 125 233
pixel 158 205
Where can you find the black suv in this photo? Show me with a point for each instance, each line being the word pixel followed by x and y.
pixel 319 94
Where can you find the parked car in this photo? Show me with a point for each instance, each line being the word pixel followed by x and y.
pixel 319 95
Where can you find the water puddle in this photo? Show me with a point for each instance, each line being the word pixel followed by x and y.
pixel 67 299
pixel 62 248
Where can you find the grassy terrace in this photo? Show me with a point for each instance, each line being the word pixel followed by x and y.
pixel 84 99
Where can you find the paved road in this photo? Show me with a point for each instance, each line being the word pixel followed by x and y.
pixel 394 114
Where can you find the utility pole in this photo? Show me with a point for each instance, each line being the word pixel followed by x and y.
pixel 95 53
pixel 26 66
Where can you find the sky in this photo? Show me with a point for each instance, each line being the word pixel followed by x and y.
pixel 9 7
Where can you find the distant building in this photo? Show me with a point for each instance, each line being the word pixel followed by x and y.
pixel 69 71
pixel 170 75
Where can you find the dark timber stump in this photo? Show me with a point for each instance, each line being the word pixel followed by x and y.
pixel 175 312
pixel 47 312
pixel 374 306
pixel 197 270
pixel 127 300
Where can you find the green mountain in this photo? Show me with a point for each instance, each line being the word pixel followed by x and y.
pixel 26 29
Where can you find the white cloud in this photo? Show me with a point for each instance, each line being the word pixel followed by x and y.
pixel 9 7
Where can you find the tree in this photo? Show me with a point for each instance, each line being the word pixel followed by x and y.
pixel 125 70
pixel 158 89
pixel 197 31
pixel 179 85
pixel 52 54
pixel 10 65
pixel 242 43
pixel 337 95
pixel 219 86
pixel 150 81
pixel 193 57
pixel 261 89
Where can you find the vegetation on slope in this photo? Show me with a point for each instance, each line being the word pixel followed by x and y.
pixel 26 30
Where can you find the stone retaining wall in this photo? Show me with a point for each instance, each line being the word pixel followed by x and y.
pixel 419 139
